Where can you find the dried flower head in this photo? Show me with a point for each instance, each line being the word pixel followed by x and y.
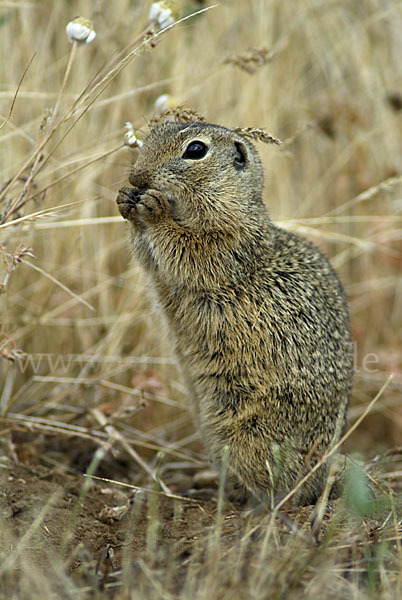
pixel 80 30
pixel 253 60
pixel 258 134
pixel 130 138
pixel 12 259
pixel 165 102
pixel 8 348
pixel 180 114
pixel 164 13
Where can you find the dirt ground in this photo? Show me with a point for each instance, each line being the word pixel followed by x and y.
pixel 50 511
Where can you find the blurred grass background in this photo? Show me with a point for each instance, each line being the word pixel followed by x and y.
pixel 332 91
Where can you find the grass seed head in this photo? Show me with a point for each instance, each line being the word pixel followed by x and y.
pixel 180 114
pixel 254 133
pixel 252 61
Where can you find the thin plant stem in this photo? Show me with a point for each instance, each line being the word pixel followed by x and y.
pixel 61 178
pixel 63 85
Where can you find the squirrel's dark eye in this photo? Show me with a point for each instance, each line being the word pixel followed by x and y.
pixel 195 150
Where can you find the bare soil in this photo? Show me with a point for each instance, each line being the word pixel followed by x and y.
pixel 52 514
pixel 48 507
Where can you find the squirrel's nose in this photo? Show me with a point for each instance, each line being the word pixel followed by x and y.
pixel 140 178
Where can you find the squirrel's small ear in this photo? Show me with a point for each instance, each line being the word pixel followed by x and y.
pixel 240 158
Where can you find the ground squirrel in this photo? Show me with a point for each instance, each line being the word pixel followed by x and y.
pixel 256 315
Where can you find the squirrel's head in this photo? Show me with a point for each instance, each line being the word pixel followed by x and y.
pixel 212 176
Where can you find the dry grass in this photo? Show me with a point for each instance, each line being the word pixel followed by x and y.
pixel 83 365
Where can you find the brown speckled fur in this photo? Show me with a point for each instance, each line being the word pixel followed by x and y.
pixel 256 315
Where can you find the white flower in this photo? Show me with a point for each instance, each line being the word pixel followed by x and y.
pixel 130 139
pixel 162 14
pixel 80 30
pixel 164 102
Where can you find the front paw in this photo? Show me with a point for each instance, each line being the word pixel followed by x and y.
pixel 127 201
pixel 152 206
